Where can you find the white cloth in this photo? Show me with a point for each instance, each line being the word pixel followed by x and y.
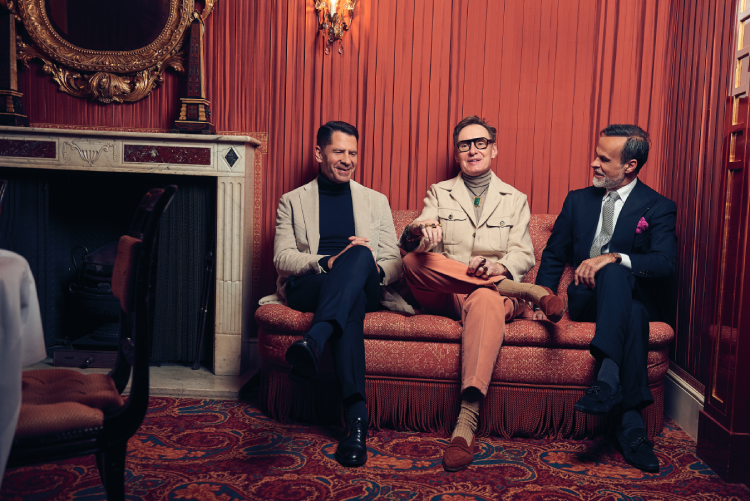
pixel 624 192
pixel 21 341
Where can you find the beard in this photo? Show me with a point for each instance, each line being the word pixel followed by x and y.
pixel 609 183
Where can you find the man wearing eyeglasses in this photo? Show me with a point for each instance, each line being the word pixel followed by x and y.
pixel 468 252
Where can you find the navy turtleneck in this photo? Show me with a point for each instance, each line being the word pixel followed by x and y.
pixel 336 216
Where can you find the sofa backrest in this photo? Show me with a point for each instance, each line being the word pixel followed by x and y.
pixel 540 228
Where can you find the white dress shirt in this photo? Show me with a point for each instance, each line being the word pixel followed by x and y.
pixel 624 192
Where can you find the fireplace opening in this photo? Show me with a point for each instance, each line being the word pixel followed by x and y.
pixel 49 215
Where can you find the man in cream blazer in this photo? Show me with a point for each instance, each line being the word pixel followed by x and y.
pixel 335 250
pixel 469 250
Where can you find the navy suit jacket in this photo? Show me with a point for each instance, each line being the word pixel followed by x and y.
pixel 653 253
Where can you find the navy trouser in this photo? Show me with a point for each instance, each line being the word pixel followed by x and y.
pixel 621 330
pixel 342 296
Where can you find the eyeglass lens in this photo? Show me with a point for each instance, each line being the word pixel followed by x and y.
pixel 480 142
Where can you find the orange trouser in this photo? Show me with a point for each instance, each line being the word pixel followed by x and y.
pixel 442 287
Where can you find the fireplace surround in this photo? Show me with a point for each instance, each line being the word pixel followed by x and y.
pixel 229 160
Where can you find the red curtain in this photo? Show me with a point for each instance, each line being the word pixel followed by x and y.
pixel 548 73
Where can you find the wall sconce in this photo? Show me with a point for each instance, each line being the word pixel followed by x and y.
pixel 334 23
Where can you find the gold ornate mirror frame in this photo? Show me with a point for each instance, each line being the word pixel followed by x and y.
pixel 105 76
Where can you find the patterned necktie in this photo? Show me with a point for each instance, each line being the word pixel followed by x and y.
pixel 608 213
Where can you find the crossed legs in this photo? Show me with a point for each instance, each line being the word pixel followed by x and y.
pixel 442 286
pixel 620 344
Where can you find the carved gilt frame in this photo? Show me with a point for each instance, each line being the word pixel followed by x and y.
pixel 105 76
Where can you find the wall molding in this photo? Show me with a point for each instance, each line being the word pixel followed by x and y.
pixel 682 403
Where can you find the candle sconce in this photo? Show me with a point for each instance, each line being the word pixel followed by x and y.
pixel 334 20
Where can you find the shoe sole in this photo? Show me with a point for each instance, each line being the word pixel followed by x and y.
pixel 303 365
pixel 348 464
pixel 556 318
pixel 454 470
pixel 615 408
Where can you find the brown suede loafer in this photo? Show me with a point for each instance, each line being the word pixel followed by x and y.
pixel 458 455
pixel 553 306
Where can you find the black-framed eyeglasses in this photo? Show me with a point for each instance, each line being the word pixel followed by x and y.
pixel 480 142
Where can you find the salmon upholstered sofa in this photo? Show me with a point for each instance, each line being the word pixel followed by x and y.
pixel 413 368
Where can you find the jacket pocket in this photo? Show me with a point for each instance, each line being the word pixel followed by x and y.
pixel 453 222
pixel 498 229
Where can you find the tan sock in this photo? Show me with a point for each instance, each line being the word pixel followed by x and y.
pixel 527 292
pixel 468 418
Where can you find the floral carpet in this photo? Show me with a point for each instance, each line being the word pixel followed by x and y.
pixel 209 450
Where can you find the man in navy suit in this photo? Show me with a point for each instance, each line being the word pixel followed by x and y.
pixel 619 234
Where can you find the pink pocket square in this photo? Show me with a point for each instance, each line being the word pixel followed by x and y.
pixel 642 226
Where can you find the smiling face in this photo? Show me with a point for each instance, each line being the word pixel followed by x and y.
pixel 609 173
pixel 475 161
pixel 338 159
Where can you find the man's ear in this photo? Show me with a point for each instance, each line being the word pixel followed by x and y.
pixel 455 155
pixel 318 154
pixel 494 150
pixel 630 166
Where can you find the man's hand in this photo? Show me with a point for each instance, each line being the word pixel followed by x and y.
pixel 354 241
pixel 429 228
pixel 587 270
pixel 480 267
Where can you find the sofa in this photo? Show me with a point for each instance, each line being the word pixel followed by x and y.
pixel 413 368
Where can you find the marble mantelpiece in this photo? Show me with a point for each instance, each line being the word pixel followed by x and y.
pixel 230 159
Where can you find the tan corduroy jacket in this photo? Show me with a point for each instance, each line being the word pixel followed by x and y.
pixel 295 246
pixel 501 234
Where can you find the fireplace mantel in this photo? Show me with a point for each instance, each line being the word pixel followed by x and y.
pixel 230 159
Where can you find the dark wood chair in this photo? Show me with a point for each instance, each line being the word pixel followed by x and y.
pixel 65 413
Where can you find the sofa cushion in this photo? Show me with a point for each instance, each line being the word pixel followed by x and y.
pixel 437 329
pixel 426 360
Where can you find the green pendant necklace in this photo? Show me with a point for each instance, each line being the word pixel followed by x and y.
pixel 477 198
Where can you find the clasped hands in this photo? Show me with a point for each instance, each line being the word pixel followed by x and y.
pixel 354 241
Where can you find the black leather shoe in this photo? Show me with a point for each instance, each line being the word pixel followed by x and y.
pixel 352 450
pixel 638 450
pixel 599 400
pixel 302 355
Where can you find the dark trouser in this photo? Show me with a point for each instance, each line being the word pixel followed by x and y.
pixel 342 297
pixel 621 331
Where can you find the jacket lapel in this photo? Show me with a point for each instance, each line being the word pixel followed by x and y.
pixel 460 194
pixel 638 202
pixel 361 208
pixel 493 198
pixel 308 199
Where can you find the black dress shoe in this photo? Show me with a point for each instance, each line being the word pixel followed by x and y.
pixel 638 450
pixel 352 450
pixel 599 400
pixel 302 355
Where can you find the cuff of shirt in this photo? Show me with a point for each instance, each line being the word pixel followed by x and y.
pixel 323 263
pixel 626 261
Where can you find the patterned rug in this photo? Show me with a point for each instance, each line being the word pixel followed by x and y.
pixel 208 450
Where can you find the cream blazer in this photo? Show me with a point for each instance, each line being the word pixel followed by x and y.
pixel 295 246
pixel 500 235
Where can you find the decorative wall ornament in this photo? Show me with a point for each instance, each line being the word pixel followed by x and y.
pixel 334 20
pixel 89 156
pixel 105 76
